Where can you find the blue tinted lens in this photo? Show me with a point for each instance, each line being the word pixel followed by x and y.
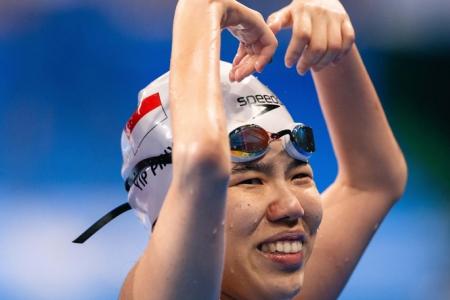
pixel 303 139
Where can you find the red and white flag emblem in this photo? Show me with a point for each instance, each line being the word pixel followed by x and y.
pixel 150 111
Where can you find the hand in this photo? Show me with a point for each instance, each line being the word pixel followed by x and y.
pixel 321 33
pixel 257 43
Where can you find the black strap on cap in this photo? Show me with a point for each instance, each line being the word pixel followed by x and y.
pixel 162 159
pixel 102 222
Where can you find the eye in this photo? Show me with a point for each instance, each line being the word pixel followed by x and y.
pixel 301 177
pixel 252 181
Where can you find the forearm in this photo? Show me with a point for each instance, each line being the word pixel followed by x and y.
pixel 198 118
pixel 367 152
pixel 372 174
pixel 184 258
pixel 201 159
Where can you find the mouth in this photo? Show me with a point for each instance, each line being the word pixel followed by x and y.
pixel 285 249
pixel 281 247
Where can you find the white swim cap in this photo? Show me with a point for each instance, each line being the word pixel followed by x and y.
pixel 148 133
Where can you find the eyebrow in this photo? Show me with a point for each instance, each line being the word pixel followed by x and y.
pixel 263 167
pixel 294 164
pixel 252 166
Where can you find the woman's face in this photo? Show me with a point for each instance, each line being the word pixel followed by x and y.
pixel 273 212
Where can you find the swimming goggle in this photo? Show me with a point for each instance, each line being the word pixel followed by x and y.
pixel 247 143
pixel 250 142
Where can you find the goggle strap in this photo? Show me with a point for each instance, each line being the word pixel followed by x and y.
pixel 102 222
pixel 279 134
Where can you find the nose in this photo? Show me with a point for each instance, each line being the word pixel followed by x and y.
pixel 285 206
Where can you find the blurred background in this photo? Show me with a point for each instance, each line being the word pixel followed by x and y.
pixel 70 71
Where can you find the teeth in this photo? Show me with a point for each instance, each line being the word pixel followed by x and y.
pixel 295 248
pixel 282 247
pixel 287 247
pixel 272 247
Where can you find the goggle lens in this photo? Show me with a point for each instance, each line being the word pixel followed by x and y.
pixel 303 139
pixel 248 141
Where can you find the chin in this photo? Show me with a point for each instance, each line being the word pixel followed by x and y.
pixel 281 294
pixel 269 287
pixel 286 286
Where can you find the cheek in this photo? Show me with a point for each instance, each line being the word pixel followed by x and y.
pixel 243 213
pixel 312 206
pixel 242 218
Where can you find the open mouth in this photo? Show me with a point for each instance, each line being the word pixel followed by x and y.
pixel 287 254
pixel 285 249
pixel 281 247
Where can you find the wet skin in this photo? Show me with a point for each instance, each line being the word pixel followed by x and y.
pixel 273 195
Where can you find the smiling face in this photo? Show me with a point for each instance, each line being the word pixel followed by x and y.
pixel 273 212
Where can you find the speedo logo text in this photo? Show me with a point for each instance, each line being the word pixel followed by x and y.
pixel 258 99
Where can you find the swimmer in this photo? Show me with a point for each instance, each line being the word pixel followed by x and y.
pixel 228 186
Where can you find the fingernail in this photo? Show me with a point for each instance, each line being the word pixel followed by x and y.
pixel 258 66
pixel 301 69
pixel 288 64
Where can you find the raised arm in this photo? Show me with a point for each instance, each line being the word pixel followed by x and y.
pixel 372 174
pixel 372 171
pixel 184 259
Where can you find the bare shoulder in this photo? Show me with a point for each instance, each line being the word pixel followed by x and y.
pixel 127 287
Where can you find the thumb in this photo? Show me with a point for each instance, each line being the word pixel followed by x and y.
pixel 279 20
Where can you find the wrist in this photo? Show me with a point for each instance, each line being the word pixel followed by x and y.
pixel 230 13
pixel 199 10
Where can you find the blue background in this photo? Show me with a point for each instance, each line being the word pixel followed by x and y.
pixel 69 76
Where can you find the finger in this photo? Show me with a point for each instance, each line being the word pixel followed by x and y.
pixel 245 68
pixel 268 46
pixel 334 45
pixel 232 74
pixel 317 46
pixel 301 36
pixel 241 68
pixel 236 71
pixel 348 36
pixel 348 39
pixel 261 61
pixel 248 63
pixel 239 54
pixel 280 19
pixel 260 57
